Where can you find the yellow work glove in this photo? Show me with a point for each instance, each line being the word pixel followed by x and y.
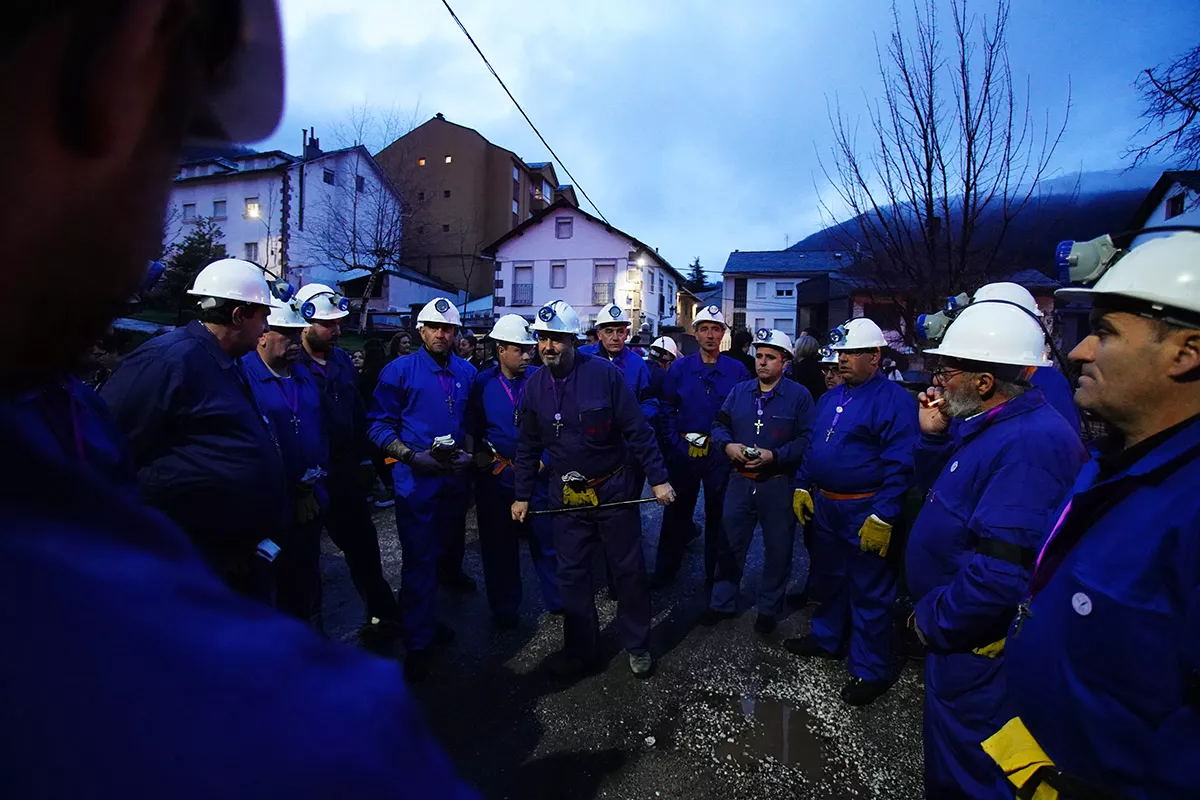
pixel 802 506
pixel 875 535
pixel 993 650
pixel 306 507
pixel 1019 755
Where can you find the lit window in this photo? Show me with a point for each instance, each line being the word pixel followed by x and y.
pixel 252 251
pixel 449 159
pixel 189 212
pixel 562 227
pixel 219 209
pixel 420 162
pixel 252 209
pixel 328 176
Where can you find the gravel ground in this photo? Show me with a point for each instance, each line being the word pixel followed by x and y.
pixel 727 715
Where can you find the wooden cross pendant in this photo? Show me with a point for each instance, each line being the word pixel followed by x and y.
pixel 758 426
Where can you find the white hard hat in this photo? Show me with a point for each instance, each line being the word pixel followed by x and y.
pixel 511 329
pixel 828 356
pixel 233 279
pixel 995 333
pixel 318 301
pixel 556 317
pixel 440 311
pixel 856 334
pixel 612 314
pixel 285 315
pixel 1163 273
pixel 709 314
pixel 1011 292
pixel 769 337
pixel 667 345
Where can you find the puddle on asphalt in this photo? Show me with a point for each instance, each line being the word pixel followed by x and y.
pixel 779 732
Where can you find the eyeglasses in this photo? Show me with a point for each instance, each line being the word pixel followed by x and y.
pixel 943 374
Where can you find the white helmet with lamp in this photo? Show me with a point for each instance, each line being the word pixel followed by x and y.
pixel 233 279
pixel 316 301
pixel 776 339
pixel 612 314
pixel 285 315
pixel 512 329
pixel 711 313
pixel 667 345
pixel 1012 292
pixel 439 311
pixel 857 334
pixel 995 332
pixel 556 317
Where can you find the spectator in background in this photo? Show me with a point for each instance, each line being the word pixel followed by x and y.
pixel 806 368
pixel 892 371
pixel 400 345
pixel 373 361
pixel 739 349
pixel 590 336
pixel 464 348
pixel 357 358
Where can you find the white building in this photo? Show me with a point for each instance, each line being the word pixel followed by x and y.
pixel 789 290
pixel 1174 200
pixel 564 253
pixel 325 218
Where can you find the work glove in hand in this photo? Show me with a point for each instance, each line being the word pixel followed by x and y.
pixel 460 461
pixel 802 506
pixel 423 463
pixel 875 535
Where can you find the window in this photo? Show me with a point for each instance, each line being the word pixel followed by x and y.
pixel 760 291
pixel 445 229
pixel 499 301
pixel 516 208
pixel 420 162
pixel 218 209
pixel 328 177
pixel 759 322
pixel 516 174
pixel 1175 205
pixel 786 324
pixel 739 295
pixel 360 184
pixel 522 286
pixel 558 276
pixel 252 208
pixel 660 284
pixel 252 251
pixel 562 227
pixel 446 194
pixel 189 212
pixel 449 159
pixel 420 195
pixel 785 290
pixel 547 192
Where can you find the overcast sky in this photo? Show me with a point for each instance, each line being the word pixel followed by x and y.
pixel 695 126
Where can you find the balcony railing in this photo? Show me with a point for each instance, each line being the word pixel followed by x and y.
pixel 522 294
pixel 602 293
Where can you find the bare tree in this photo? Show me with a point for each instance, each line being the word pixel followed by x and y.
pixel 1171 96
pixel 954 157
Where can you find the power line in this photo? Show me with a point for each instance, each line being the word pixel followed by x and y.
pixel 523 114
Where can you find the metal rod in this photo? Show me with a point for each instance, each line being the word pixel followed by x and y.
pixel 601 507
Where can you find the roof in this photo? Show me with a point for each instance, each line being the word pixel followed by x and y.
pixel 537 164
pixel 565 205
pixel 1188 178
pixel 712 295
pixel 1031 279
pixel 786 262
pixel 346 276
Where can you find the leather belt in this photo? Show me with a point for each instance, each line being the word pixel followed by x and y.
pixel 844 496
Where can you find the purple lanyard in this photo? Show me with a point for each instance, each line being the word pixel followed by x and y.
pixel 293 402
pixel 516 401
pixel 554 387
pixel 447 387
pixel 768 396
pixel 837 414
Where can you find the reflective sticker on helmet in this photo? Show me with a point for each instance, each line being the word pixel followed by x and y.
pixel 545 313
pixel 441 306
pixel 614 312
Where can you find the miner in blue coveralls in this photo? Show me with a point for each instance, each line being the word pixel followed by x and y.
pixel 993 483
pixel 582 414
pixel 288 394
pixel 693 391
pixel 420 418
pixel 763 429
pixel 659 358
pixel 851 485
pixel 1102 672
pixel 122 648
pixel 205 453
pixel 347 518
pixel 495 410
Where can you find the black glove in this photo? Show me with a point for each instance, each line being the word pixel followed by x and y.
pixel 460 461
pixel 483 460
pixel 423 463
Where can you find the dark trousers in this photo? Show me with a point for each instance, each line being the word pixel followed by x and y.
pixel 453 546
pixel 351 529
pixel 298 573
pixel 686 476
pixel 619 532
pixel 422 518
pixel 499 545
pixel 964 704
pixel 749 504
pixel 237 563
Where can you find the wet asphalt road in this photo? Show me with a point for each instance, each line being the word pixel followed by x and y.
pixel 728 714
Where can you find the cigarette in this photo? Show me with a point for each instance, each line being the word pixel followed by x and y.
pixel 934 403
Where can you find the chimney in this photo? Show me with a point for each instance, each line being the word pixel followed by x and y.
pixel 312 147
pixel 439 116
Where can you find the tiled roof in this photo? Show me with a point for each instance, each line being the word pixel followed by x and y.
pixel 785 262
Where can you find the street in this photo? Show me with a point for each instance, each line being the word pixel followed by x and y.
pixel 727 714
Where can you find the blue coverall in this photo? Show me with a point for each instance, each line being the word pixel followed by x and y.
pixel 293 407
pixel 1060 394
pixel 189 691
pixel 637 377
pixel 860 462
pixel 1104 669
pixel 779 420
pixel 66 413
pixel 205 453
pixel 992 492
pixel 493 414
pixel 691 397
pixel 348 519
pixel 600 424
pixel 417 400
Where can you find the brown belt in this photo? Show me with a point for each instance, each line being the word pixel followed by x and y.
pixel 500 463
pixel 840 496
